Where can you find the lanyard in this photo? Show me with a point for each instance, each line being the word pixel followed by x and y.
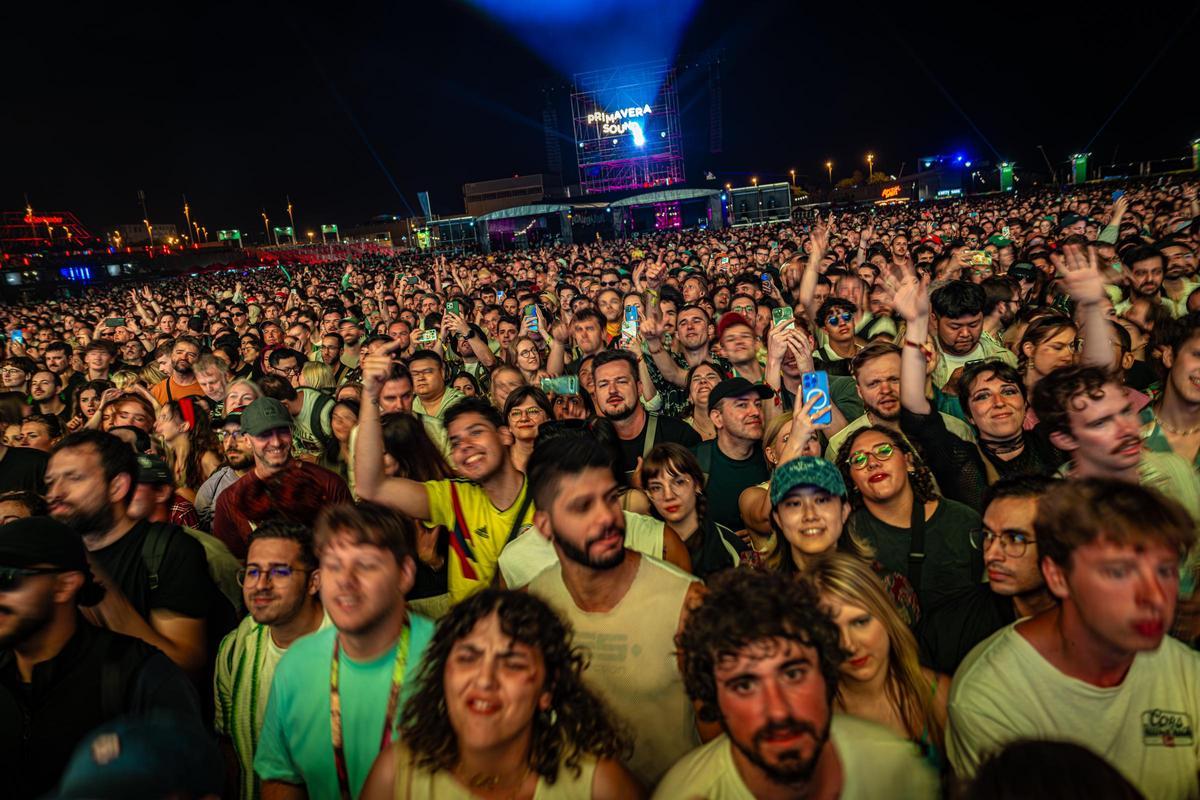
pixel 335 709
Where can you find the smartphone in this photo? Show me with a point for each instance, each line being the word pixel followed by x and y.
pixel 114 322
pixel 629 326
pixel 816 384
pixel 454 307
pixel 979 258
pixel 18 336
pixel 778 315
pixel 499 295
pixel 565 384
pixel 413 280
pixel 767 286
pixel 427 336
pixel 1118 194
pixel 531 316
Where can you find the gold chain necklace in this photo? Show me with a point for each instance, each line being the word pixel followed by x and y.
pixel 1174 431
pixel 490 783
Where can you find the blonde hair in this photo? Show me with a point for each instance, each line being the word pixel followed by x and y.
pixel 317 375
pixel 853 581
pixel 124 378
pixel 774 427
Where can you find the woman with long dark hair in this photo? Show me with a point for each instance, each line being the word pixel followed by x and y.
pixel 501 710
pixel 186 428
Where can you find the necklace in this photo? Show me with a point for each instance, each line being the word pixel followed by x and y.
pixel 1173 430
pixel 1005 446
pixel 490 783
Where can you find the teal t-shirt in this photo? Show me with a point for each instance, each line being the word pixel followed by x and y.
pixel 296 745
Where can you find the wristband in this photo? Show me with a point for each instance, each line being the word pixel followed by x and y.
pixel 907 343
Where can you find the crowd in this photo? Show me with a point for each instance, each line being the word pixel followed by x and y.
pixel 890 503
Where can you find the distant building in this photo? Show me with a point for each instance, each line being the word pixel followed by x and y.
pixel 132 235
pixel 484 197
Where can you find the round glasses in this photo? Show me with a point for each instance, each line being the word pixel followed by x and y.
pixel 882 452
pixel 833 319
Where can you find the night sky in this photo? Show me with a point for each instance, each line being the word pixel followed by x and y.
pixel 238 104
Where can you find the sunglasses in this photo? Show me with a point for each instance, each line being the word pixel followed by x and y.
pixel 833 319
pixel 882 451
pixel 11 578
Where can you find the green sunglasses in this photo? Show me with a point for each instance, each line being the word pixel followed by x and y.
pixel 882 451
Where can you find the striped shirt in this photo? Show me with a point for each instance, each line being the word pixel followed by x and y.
pixel 246 664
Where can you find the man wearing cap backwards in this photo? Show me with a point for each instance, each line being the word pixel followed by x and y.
pixel 278 486
pixel 59 676
pixel 239 458
pixel 734 460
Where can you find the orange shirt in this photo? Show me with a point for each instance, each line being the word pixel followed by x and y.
pixel 168 390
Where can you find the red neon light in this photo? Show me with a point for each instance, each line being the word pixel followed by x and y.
pixel 43 220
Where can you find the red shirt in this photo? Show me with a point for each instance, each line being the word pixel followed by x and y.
pixel 296 494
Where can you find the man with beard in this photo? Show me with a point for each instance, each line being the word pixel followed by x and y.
pixel 58 360
pixel 239 458
pixel 212 376
pixel 761 658
pixel 483 510
pixel 280 583
pixel 90 480
pixel 59 676
pixel 279 486
pixel 733 461
pixel 876 371
pixel 322 728
pixel 330 351
pixel 181 382
pixel 1146 271
pixel 626 607
pixel 618 398
pixel 1179 277
pixel 44 389
pixel 1002 301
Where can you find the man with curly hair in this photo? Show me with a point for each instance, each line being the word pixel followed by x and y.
pixel 761 658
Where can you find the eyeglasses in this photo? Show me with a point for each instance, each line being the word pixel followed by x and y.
pixel 882 452
pixel 279 572
pixel 223 435
pixel 11 578
pixel 833 319
pixel 12 371
pixel 1012 544
pixel 677 483
pixel 609 284
pixel 526 413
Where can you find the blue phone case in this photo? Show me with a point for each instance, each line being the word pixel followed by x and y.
pixel 817 383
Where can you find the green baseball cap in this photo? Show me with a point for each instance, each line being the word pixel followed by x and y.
pixel 265 414
pixel 806 471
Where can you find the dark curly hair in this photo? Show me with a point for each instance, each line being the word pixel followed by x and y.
pixel 578 724
pixel 743 607
pixel 921 479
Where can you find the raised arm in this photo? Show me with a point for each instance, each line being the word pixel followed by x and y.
pixel 808 283
pixel 402 494
pixel 911 302
pixel 1079 271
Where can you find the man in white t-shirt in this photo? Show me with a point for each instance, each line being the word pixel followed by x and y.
pixel 761 658
pixel 1095 669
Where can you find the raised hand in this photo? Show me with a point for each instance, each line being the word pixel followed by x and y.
pixel 804 424
pixel 1080 273
pixel 911 299
pixel 376 368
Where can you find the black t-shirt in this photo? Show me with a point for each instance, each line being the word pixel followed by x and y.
pixel 184 584
pixel 952 566
pixel 23 468
pixel 666 429
pixel 727 478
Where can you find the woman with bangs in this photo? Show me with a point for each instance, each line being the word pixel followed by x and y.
pixel 672 478
pixel 882 679
pixel 502 711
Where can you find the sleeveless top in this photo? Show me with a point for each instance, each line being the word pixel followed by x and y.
pixel 416 783
pixel 633 665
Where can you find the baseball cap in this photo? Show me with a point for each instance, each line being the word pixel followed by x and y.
pixel 806 471
pixel 153 469
pixel 265 414
pixel 728 320
pixel 1069 219
pixel 156 756
pixel 736 387
pixel 232 418
pixel 41 540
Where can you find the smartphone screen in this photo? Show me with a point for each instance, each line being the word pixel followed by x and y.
pixel 816 384
pixel 780 314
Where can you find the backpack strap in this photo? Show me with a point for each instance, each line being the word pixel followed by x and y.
pixel 122 657
pixel 704 456
pixel 154 550
pixel 460 537
pixel 651 432
pixel 916 545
